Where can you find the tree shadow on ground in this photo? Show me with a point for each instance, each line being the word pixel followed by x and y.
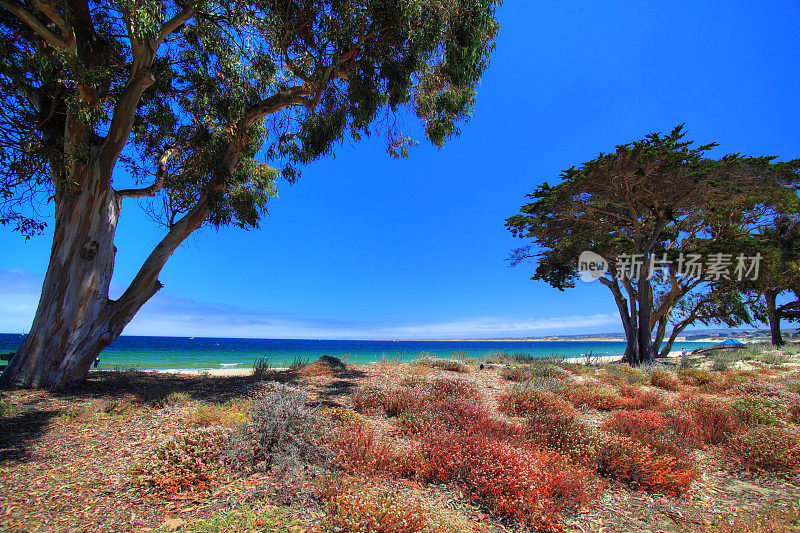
pixel 154 388
pixel 17 432
pixel 342 384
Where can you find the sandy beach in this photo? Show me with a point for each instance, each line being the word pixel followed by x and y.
pixel 244 372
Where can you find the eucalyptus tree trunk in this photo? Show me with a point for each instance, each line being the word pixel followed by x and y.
pixel 71 324
pixel 76 319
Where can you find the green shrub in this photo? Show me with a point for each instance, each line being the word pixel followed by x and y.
pixel 368 398
pixel 414 422
pixel 695 377
pixel 537 370
pixel 720 365
pixel 265 518
pixel 339 416
pixel 77 415
pixel 116 407
pixel 557 428
pixel 596 396
pixel 160 399
pixel 8 409
pixel 548 384
pixel 452 365
pixel 219 414
pixel 578 369
pixel 756 410
pixel 617 374
pixel 515 373
pixel 262 367
pixel 663 379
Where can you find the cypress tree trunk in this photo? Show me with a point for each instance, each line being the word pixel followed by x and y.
pixel 774 317
pixel 645 339
pixel 628 318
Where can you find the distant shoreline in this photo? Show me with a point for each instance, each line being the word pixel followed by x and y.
pixel 244 372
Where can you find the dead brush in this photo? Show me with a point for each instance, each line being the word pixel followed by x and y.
pixel 280 435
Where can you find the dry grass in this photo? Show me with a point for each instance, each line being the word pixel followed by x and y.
pixel 499 455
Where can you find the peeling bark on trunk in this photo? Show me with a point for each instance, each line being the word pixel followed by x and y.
pixel 72 321
pixel 75 319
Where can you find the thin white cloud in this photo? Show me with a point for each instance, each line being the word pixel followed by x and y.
pixel 19 296
pixel 169 316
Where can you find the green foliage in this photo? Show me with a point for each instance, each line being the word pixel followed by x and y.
pixel 444 364
pixel 8 409
pixel 261 367
pixel 219 414
pixel 247 520
pixel 756 410
pixel 233 86
pixel 654 197
pixel 696 377
pixel 664 379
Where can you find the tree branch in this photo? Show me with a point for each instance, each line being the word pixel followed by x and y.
pixel 145 284
pixel 293 96
pixel 176 22
pixel 33 23
pixel 158 184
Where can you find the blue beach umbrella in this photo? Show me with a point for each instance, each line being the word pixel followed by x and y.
pixel 731 342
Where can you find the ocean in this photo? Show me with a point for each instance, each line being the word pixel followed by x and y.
pixel 163 353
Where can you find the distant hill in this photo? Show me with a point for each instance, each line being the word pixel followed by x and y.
pixel 694 335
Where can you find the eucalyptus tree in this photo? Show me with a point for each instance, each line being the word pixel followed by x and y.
pixel 639 207
pixel 198 107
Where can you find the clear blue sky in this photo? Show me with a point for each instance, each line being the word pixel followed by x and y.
pixel 365 246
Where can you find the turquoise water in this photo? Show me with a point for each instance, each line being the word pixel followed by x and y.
pixel 207 353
